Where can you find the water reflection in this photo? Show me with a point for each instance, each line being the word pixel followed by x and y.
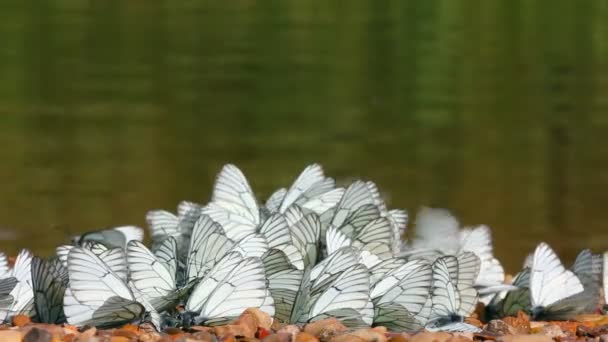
pixel 496 109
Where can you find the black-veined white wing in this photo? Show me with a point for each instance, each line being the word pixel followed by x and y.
pixel 325 202
pixel 162 224
pixel 49 281
pixel 274 201
pixel 450 298
pixel 356 195
pixel 187 208
pixel 152 277
pixel 208 245
pixel 479 241
pixel 284 281
pixel 116 260
pixel 549 279
pixel 312 175
pixel 379 270
pixel 6 286
pixel 395 317
pixel 588 268
pixel 399 220
pixel 233 203
pixel 96 295
pixel 349 291
pixel 167 254
pixel 4 269
pixel 305 234
pixel 115 237
pixel 409 286
pixel 277 233
pixel 151 315
pixel 251 245
pixel 233 285
pixel 22 293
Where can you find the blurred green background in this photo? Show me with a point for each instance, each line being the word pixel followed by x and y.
pixel 497 110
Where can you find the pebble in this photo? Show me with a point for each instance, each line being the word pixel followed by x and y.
pixel 324 329
pixel 431 337
pixel 10 336
pixel 524 338
pixel 37 335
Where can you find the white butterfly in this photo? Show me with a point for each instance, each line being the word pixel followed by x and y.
pixel 399 298
pixel 115 258
pixel 4 269
pixel 49 281
pixel 311 190
pixel 233 204
pixel 552 287
pixel 153 276
pixel 96 295
pixel 115 237
pixel 209 244
pixel 234 284
pixel 163 224
pixel 22 294
pixel 453 296
pixel 337 287
pixel 284 281
pixel 509 303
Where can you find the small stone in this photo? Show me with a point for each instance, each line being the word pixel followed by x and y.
pixel 399 338
pixel 120 339
pixel 462 337
pixel 125 332
pixel 262 318
pixel 278 338
pixel 87 334
pixel 149 337
pixel 203 336
pixel 500 327
pixel 524 338
pixel 234 330
pixel 369 335
pixel 604 338
pixel 289 329
pixel 552 331
pixel 325 328
pixel 305 337
pixel 10 336
pixel 21 320
pixel 521 323
pixel 426 336
pixel 347 338
pixel 37 335
pixel 53 329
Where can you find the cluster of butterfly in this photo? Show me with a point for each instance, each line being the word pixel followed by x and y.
pixel 312 251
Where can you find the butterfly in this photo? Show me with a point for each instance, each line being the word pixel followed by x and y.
pixel 234 284
pixel 114 237
pixel 453 296
pixel 553 288
pixel 154 276
pixel 96 295
pixel 311 191
pixel 49 282
pixel 21 296
pixel 401 295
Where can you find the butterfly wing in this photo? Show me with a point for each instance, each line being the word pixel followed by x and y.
pixel 549 280
pixel 49 284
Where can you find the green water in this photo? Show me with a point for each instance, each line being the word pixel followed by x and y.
pixel 497 110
